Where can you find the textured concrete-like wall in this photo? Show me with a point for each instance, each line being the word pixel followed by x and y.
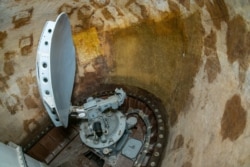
pixel 193 54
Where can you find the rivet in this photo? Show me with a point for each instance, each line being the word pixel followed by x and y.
pixel 156 154
pixel 159 145
pixel 152 164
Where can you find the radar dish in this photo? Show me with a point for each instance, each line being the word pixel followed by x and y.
pixel 56 69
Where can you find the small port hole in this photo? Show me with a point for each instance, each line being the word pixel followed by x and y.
pixel 45 80
pixel 45 65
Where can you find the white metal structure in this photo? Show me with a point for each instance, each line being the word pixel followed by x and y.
pixel 12 156
pixel 56 68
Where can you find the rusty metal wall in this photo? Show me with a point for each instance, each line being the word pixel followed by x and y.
pixel 193 54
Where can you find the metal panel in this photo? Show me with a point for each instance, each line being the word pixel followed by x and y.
pixel 12 156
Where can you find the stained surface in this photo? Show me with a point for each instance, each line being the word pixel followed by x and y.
pixel 187 164
pixel 233 121
pixel 212 65
pixel 218 11
pixel 3 36
pixel 22 18
pixel 161 52
pixel 178 142
pixel 194 55
pixel 26 43
pixel 238 41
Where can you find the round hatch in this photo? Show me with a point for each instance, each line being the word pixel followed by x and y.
pixel 56 69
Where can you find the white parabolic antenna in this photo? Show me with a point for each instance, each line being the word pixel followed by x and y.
pixel 55 68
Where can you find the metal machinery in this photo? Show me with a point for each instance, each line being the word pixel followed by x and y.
pixel 104 127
